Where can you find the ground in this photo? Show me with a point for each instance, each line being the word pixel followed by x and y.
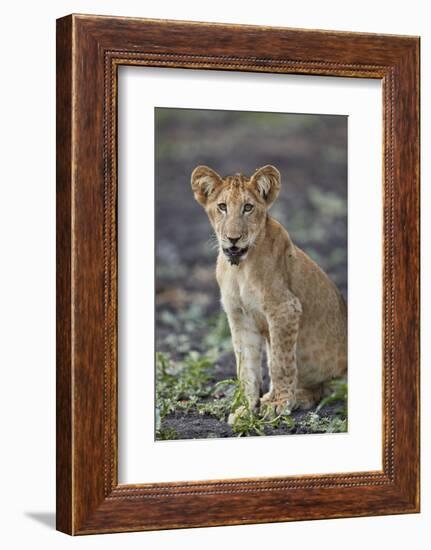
pixel 196 389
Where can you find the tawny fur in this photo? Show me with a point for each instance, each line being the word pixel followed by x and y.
pixel 275 296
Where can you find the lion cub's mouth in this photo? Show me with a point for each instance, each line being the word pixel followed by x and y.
pixel 234 254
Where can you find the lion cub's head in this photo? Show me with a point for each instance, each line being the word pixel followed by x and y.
pixel 236 206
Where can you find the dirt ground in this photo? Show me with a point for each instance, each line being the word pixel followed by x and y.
pixel 311 153
pixel 192 425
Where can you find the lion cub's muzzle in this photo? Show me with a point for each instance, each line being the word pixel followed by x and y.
pixel 234 254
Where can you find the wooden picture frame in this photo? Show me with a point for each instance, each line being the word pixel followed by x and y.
pixel 89 51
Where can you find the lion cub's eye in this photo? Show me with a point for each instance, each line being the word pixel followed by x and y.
pixel 222 206
pixel 248 207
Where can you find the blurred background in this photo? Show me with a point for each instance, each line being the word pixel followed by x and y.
pixel 310 151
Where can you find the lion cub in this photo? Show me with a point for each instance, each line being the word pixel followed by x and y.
pixel 274 295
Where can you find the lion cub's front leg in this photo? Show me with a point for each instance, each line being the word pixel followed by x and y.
pixel 283 323
pixel 248 345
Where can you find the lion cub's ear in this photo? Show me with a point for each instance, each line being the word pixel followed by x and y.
pixel 204 182
pixel 266 181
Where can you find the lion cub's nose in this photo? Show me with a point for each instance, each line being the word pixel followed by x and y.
pixel 234 240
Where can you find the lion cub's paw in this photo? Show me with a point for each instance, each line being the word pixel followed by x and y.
pixel 271 406
pixel 233 417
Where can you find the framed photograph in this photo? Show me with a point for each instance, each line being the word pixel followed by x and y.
pixel 237 274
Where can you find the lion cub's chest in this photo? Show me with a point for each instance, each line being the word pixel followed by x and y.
pixel 240 296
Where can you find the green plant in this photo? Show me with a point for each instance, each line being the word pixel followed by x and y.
pixel 179 386
pixel 250 422
pixel 165 434
pixel 315 423
pixel 186 386
pixel 338 393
